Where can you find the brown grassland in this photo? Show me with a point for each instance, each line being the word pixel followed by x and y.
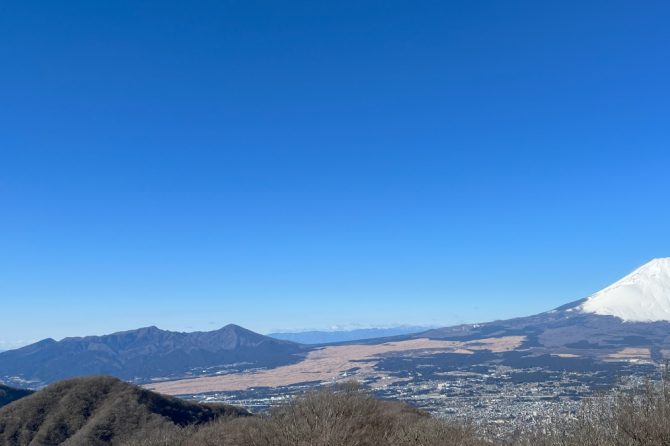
pixel 328 364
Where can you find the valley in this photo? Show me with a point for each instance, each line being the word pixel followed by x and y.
pixel 334 364
pixel 514 371
pixel 495 384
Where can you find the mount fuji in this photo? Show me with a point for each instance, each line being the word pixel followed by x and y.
pixel 629 319
pixel 641 296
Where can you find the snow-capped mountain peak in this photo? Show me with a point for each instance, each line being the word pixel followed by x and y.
pixel 641 296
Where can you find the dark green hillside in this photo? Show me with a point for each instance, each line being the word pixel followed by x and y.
pixel 9 394
pixel 99 411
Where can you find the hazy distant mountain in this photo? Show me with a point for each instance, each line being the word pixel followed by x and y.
pixel 325 337
pixel 99 411
pixel 145 353
pixel 9 394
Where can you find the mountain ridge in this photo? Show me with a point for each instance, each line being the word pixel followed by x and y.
pixel 144 353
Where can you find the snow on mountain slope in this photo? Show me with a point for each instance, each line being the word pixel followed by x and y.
pixel 642 296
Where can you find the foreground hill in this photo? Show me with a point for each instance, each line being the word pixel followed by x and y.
pixel 106 412
pixel 9 394
pixel 146 353
pixel 98 411
pixel 333 416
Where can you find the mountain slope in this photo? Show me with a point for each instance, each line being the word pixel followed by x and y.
pixel 642 296
pixel 98 411
pixel 602 325
pixel 146 353
pixel 9 394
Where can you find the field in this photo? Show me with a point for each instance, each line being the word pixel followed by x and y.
pixel 334 363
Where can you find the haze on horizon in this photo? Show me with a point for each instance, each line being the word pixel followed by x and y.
pixel 302 166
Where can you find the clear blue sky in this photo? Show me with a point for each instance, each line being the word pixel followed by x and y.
pixel 309 164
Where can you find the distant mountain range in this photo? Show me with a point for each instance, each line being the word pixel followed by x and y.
pixel 334 336
pixel 144 354
pixel 629 320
